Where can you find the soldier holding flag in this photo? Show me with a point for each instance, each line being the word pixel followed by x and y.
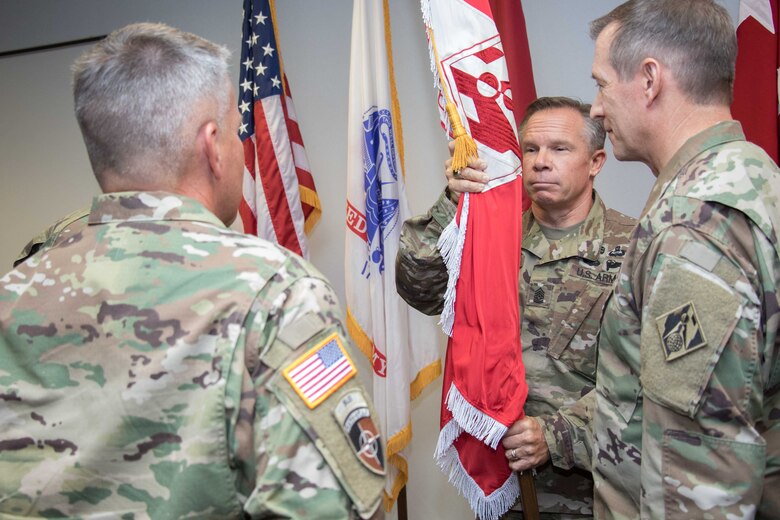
pixel 572 250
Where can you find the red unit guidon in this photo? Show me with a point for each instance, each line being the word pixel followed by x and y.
pixel 321 371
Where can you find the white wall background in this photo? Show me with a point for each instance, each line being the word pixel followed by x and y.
pixel 44 171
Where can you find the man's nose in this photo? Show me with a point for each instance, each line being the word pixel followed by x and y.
pixel 596 109
pixel 541 159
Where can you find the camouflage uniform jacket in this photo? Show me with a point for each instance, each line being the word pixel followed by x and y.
pixel 143 376
pixel 563 289
pixel 687 415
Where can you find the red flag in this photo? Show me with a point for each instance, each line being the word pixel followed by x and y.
pixel 280 200
pixel 510 23
pixel 484 379
pixel 756 84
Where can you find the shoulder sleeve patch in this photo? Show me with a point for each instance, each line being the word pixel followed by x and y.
pixel 320 371
pixel 354 417
pixel 687 322
pixel 680 331
pixel 318 386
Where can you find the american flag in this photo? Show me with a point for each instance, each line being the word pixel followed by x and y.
pixel 320 372
pixel 280 200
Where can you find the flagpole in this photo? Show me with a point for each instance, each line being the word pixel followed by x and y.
pixel 402 513
pixel 528 496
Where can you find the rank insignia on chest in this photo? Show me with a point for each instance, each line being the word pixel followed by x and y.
pixel 354 417
pixel 539 294
pixel 680 331
pixel 321 371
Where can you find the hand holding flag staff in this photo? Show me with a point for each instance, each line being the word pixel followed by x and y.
pixel 484 378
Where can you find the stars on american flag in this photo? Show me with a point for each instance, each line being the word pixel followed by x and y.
pixel 260 65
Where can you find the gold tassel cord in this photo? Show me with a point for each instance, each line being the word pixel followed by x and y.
pixel 465 148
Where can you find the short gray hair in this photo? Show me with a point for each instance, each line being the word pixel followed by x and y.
pixel 594 128
pixel 139 91
pixel 694 38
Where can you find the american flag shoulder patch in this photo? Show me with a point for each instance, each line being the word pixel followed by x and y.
pixel 321 371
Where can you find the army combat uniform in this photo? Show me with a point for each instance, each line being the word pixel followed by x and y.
pixel 563 288
pixel 687 415
pixel 157 364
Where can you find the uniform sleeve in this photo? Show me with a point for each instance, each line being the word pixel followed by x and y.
pixel 569 434
pixel 300 461
pixel 707 440
pixel 420 273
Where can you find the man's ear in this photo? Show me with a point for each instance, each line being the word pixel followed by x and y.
pixel 208 136
pixel 651 73
pixel 597 161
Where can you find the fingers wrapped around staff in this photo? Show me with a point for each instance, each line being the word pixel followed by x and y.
pixel 525 446
pixel 471 179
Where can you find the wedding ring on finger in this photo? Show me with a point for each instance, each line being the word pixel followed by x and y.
pixel 456 173
pixel 513 454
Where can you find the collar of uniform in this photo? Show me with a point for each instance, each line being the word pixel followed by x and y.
pixel 146 206
pixel 716 135
pixel 581 244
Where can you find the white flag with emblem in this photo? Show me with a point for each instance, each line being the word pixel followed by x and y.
pixel 400 342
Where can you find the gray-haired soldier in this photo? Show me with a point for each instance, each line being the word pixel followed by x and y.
pixel 687 415
pixel 572 251
pixel 155 363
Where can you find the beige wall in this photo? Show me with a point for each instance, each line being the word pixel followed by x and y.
pixel 44 172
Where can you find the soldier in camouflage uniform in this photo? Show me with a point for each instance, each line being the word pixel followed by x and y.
pixel 573 247
pixel 157 364
pixel 687 415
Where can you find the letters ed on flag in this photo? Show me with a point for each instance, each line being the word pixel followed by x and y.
pixel 400 342
pixel 280 200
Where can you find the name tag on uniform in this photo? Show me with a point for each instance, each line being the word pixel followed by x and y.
pixel 594 275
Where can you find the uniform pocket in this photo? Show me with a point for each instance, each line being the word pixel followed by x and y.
pixel 575 331
pixel 711 477
pixel 684 333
